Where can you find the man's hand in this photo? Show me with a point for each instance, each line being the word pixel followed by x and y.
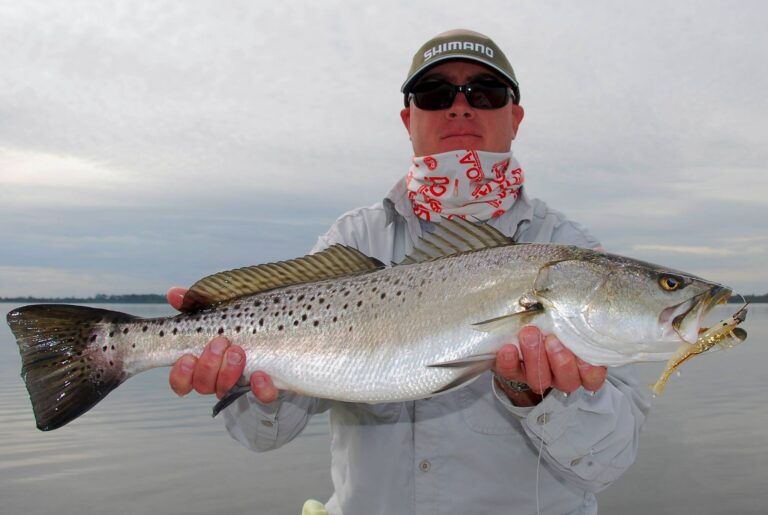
pixel 217 369
pixel 546 363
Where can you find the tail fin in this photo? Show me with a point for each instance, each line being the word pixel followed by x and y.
pixel 63 365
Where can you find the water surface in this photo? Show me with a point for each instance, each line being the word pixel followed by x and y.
pixel 143 450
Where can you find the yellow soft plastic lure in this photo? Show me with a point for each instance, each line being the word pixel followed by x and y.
pixel 725 334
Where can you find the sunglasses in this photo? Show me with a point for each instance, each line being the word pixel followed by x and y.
pixel 434 95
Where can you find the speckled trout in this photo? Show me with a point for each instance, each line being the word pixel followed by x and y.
pixel 341 325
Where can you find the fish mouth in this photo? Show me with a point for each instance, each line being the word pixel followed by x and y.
pixel 685 319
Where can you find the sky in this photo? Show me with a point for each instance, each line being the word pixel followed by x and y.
pixel 147 144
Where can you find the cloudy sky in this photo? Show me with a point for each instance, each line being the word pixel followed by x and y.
pixel 146 144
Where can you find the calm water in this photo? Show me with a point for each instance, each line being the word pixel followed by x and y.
pixel 704 449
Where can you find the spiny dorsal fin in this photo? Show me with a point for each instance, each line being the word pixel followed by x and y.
pixel 335 261
pixel 452 237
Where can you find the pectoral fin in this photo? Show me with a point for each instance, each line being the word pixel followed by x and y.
pixel 511 322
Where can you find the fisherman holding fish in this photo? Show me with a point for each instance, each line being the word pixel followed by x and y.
pixel 477 448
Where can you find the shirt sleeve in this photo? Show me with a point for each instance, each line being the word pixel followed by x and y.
pixel 263 427
pixel 591 439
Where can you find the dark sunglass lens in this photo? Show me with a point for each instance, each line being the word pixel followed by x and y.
pixel 487 96
pixel 433 95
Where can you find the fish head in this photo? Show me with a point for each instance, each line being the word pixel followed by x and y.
pixel 622 309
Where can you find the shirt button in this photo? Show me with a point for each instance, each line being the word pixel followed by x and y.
pixel 267 423
pixel 425 465
pixel 542 419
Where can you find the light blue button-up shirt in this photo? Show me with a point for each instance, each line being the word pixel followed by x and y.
pixel 469 451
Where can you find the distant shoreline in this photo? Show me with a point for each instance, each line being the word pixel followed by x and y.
pixel 147 298
pixel 151 298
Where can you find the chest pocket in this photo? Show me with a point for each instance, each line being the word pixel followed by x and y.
pixel 483 413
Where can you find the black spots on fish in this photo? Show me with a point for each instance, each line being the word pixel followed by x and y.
pixel 346 293
pixel 112 347
pixel 261 322
pixel 224 316
pixel 236 307
pixel 290 313
pixel 304 317
pixel 199 330
pixel 280 327
pixel 221 330
pixel 321 300
pixel 350 329
pixel 175 330
pixel 346 306
pixel 300 297
pixel 374 289
pixel 93 338
pixel 144 329
pixel 309 307
pixel 383 295
pixel 316 323
pixel 419 294
pixel 295 323
pixel 125 331
pixel 398 293
pixel 256 304
pixel 133 345
pixel 161 333
pixel 276 300
pixel 104 348
pixel 335 318
pixel 359 303
pixel 237 329
pixel 111 334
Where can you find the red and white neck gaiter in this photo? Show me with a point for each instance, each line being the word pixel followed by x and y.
pixel 465 183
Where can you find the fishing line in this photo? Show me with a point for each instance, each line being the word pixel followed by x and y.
pixel 541 444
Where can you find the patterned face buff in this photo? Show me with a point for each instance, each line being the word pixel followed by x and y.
pixel 465 183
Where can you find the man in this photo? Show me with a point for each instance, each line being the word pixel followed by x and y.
pixel 475 449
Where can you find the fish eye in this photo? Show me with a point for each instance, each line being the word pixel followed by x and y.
pixel 671 282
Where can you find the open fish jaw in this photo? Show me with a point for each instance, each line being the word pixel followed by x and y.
pixel 685 319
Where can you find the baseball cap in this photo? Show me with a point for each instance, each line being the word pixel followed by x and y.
pixel 465 45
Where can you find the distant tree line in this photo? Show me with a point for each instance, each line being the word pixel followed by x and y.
pixel 99 298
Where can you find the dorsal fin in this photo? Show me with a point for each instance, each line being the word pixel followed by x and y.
pixel 452 237
pixel 335 261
